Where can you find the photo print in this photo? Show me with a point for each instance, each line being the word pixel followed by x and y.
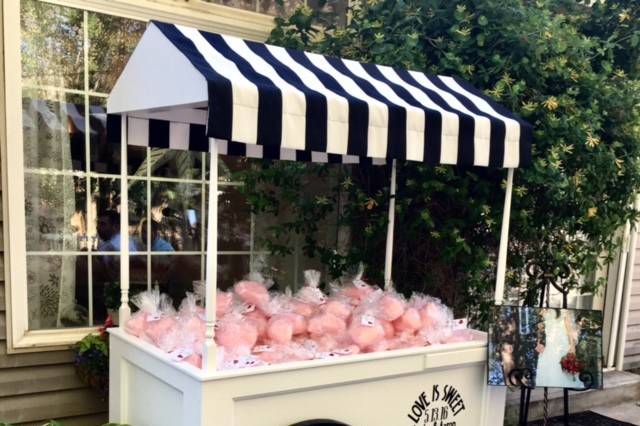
pixel 558 348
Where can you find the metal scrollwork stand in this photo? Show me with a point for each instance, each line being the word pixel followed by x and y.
pixel 544 278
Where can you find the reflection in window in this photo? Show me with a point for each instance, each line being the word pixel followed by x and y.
pixel 52 45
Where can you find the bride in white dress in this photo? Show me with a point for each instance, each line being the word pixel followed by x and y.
pixel 561 336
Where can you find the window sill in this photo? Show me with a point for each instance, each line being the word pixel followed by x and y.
pixel 49 340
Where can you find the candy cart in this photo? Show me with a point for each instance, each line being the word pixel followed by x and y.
pixel 187 89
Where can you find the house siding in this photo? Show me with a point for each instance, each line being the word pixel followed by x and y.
pixel 38 386
pixel 632 340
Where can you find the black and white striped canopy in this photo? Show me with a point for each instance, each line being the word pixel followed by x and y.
pixel 280 103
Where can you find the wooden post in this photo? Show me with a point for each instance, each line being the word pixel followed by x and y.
pixel 210 350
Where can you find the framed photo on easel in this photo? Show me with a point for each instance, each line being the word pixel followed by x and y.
pixel 559 348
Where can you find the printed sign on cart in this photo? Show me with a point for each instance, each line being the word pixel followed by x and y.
pixel 437 406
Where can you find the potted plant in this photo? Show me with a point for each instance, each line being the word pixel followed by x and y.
pixel 92 359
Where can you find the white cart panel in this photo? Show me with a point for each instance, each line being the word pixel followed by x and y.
pixel 434 386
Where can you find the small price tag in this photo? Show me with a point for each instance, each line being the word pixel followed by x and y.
pixel 460 324
pixel 262 348
pixel 359 283
pixel 345 351
pixel 367 320
pixel 248 308
pixel 325 355
pixel 180 354
pixel 154 316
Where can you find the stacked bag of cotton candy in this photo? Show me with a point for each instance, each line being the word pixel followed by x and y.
pixel 256 326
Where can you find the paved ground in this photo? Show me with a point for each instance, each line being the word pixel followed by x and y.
pixel 626 412
pixel 589 418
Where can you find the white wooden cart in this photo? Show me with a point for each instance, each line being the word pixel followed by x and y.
pixel 187 89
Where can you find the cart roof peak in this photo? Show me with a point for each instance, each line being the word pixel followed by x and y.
pixel 272 99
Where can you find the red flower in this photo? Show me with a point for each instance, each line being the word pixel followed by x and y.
pixel 571 364
pixel 108 323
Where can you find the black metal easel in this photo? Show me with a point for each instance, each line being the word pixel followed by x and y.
pixel 544 278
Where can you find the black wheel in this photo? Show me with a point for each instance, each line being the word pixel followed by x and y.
pixel 319 422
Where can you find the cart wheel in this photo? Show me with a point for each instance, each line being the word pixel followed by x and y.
pixel 319 422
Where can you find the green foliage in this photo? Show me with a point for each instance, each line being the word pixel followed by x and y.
pixel 568 69
pixel 92 360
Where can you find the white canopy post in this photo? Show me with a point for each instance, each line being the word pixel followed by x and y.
pixel 504 240
pixel 210 350
pixel 388 258
pixel 124 312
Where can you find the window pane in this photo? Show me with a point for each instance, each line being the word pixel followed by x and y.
pixel 331 11
pixel 105 157
pixel 111 41
pixel 105 220
pixel 279 8
pixel 175 163
pixel 105 274
pixel 138 213
pixel 53 130
pixel 232 268
pixel 175 274
pixel 228 165
pixel 234 220
pixel 56 291
pixel 52 39
pixel 239 4
pixel 136 160
pixel 55 208
pixel 176 216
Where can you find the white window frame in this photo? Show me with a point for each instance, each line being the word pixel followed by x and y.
pixel 205 16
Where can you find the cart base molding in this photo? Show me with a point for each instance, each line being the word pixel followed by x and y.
pixel 442 385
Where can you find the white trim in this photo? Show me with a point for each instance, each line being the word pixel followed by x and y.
pixel 619 286
pixel 13 181
pixel 388 256
pixel 626 295
pixel 205 16
pixel 201 15
pixel 504 241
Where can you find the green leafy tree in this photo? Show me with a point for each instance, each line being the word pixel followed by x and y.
pixel 556 64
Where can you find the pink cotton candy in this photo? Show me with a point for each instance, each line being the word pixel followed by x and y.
pixel 299 322
pixel 355 293
pixel 409 321
pixel 337 308
pixel 280 329
pixel 135 325
pixel 389 331
pixel 224 302
pixel 252 292
pixel 157 329
pixel 326 323
pixel 390 307
pixel 259 320
pixel 366 335
pixel 380 346
pixel 434 315
pixel 236 335
pixel 194 325
pixel 302 308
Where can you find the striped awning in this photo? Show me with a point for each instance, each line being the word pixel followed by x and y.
pixel 272 102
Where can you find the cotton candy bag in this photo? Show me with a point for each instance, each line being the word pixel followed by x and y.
pixel 254 290
pixel 158 326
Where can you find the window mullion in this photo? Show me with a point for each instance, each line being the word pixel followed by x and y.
pixel 148 224
pixel 203 214
pixel 87 151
